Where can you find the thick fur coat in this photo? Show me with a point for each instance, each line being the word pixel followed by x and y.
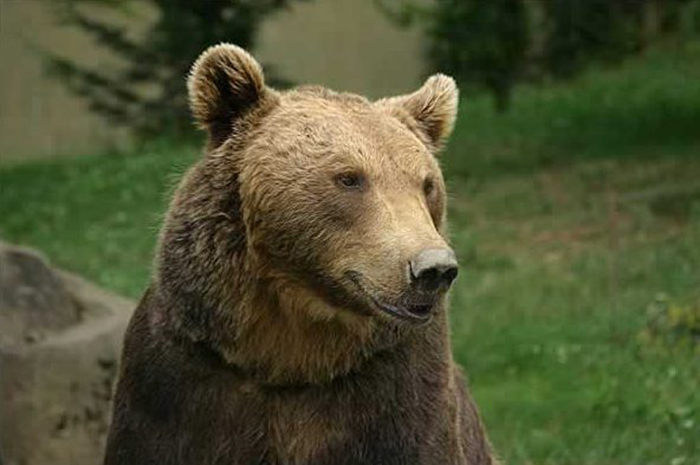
pixel 284 324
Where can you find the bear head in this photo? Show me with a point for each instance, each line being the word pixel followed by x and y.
pixel 310 209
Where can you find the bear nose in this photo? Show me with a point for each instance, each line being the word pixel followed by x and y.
pixel 434 268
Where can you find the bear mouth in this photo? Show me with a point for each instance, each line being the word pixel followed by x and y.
pixel 416 313
pixel 409 311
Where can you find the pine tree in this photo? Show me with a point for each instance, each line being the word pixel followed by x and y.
pixel 496 44
pixel 148 94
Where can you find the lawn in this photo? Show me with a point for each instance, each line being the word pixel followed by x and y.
pixel 576 218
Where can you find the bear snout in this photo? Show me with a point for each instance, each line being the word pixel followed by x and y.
pixel 433 269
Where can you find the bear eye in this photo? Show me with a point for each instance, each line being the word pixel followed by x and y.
pixel 350 180
pixel 428 186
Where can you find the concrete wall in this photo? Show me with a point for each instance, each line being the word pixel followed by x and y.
pixel 38 116
pixel 344 44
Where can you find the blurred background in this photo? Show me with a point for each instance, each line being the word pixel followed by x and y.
pixel 574 179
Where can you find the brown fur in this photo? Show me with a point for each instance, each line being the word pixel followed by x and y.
pixel 260 340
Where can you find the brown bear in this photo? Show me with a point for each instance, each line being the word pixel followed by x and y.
pixel 297 310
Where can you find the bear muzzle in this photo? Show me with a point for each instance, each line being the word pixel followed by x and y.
pixel 431 272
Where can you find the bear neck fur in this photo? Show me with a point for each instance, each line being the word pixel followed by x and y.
pixel 214 291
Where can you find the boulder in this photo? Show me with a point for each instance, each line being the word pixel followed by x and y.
pixel 60 341
pixel 33 300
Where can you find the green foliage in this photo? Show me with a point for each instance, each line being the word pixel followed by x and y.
pixel 672 323
pixel 499 43
pixel 148 94
pixel 643 109
pixel 482 42
pixel 588 30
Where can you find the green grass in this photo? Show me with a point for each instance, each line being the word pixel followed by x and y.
pixel 645 109
pixel 552 303
pixel 96 216
pixel 573 216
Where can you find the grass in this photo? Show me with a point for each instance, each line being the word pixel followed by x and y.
pixel 574 216
pixel 559 281
pixel 645 109
pixel 97 216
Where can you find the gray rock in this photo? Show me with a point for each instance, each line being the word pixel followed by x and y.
pixel 56 370
pixel 33 299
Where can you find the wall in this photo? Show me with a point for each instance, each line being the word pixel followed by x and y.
pixel 38 116
pixel 344 44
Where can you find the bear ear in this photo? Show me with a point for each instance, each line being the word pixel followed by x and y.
pixel 430 111
pixel 225 84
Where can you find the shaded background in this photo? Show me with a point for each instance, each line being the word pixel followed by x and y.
pixel 574 178
pixel 311 42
